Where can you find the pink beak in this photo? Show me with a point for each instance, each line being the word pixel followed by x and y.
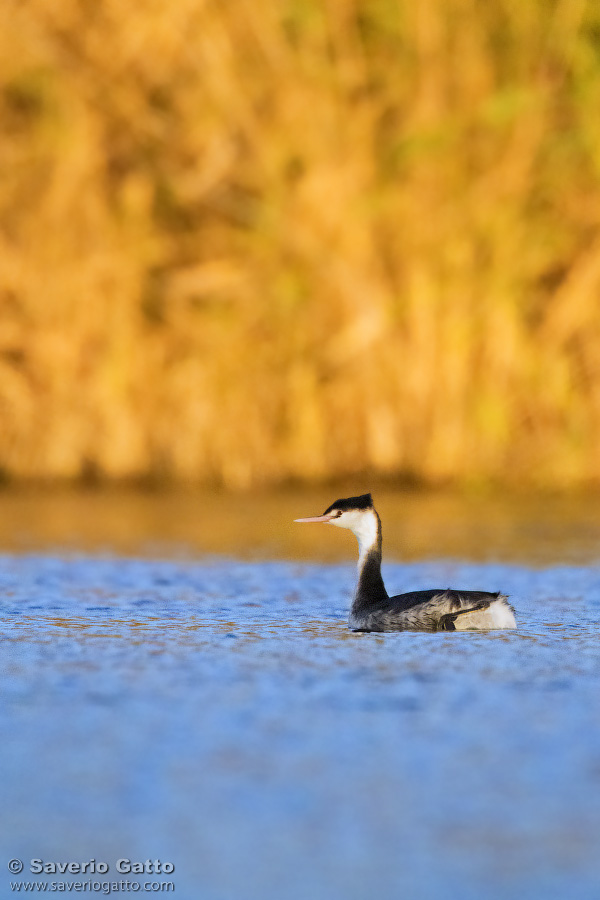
pixel 323 519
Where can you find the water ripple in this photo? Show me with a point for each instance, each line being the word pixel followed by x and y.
pixel 221 714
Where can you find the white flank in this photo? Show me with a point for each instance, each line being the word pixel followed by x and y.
pixel 498 615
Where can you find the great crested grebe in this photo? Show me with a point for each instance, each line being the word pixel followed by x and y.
pixel 440 609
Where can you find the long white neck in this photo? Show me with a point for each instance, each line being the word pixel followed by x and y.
pixel 367 533
pixel 366 526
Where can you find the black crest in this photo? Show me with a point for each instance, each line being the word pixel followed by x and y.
pixel 365 501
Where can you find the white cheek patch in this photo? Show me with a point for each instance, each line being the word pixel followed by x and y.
pixel 363 524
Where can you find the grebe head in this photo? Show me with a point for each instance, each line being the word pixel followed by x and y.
pixel 356 513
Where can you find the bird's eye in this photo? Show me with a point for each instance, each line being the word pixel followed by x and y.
pixel 337 513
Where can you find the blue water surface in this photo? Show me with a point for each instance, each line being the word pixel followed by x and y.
pixel 220 716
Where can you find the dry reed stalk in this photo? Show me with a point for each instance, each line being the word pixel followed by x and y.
pixel 252 242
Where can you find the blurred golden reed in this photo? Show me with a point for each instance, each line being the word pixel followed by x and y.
pixel 268 239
